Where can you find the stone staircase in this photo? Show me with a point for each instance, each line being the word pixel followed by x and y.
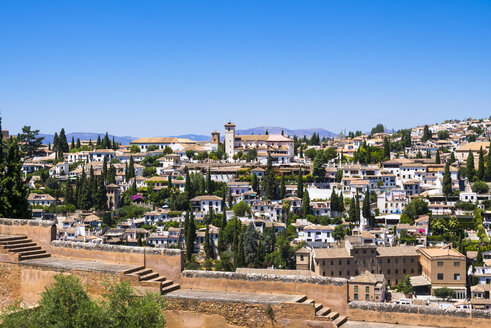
pixel 324 312
pixel 146 277
pixel 22 247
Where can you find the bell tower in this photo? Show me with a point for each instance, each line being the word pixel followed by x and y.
pixel 230 139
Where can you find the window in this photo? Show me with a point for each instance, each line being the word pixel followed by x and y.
pixel 340 262
pixel 340 273
pixel 367 297
pixel 324 273
pixel 347 272
pixel 332 273
pixel 412 260
pixel 456 276
pixel 347 261
pixel 367 289
pixel 356 296
pixel 332 262
pixel 440 263
pixel 301 257
pixel 356 288
pixel 388 260
pixel 440 276
pixel 397 271
pixel 456 264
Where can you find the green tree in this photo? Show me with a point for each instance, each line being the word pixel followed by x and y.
pixel 29 140
pixel 222 244
pixel 135 149
pixel 14 192
pixel 63 143
pixel 386 148
pixel 282 187
pixel 480 170
pixel 357 208
pixel 269 181
pixel 405 286
pixel 470 169
pixel 305 203
pixel 300 184
pixel 480 187
pixel 447 181
pixel 417 206
pixel 190 234
pixel 242 209
pixel 131 168
pixel 487 172
pixel 250 244
pixel 239 258
pixel 207 243
pixel 437 157
pixel 367 213
pixel 427 135
pixel 338 232
pixel 101 196
pixel 255 183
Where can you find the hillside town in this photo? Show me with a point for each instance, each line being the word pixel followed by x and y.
pixel 404 216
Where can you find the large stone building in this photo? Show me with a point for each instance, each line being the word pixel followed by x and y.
pixel 444 267
pixel 355 257
pixel 279 147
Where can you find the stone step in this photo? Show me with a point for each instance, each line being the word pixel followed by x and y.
pixel 141 272
pixel 302 298
pixel 318 306
pixel 37 256
pixel 170 288
pixel 333 315
pixel 11 238
pixel 132 270
pixel 12 247
pixel 158 279
pixel 323 312
pixel 309 301
pixel 25 249
pixel 341 320
pixel 149 276
pixel 167 283
pixel 15 241
pixel 39 251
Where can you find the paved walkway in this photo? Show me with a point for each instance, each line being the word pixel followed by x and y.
pixel 206 295
pixel 67 264
pixel 362 324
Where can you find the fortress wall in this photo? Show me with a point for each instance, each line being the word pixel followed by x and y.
pixel 331 292
pixel 41 232
pixel 167 262
pixel 420 315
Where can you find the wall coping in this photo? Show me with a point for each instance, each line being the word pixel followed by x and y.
pixel 31 222
pixel 116 248
pixel 318 280
pixel 419 309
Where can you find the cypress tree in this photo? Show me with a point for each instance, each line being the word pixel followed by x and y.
pixel 99 142
pixel 427 135
pixel 111 174
pixel 301 152
pixel 114 144
pixel 480 170
pixel 72 146
pixel 300 185
pixel 352 210
pixel 131 168
pixel 104 169
pixel 447 181
pixel 209 188
pixel 169 182
pixel 191 235
pixel 79 145
pixel 207 245
pixel 14 190
pixel 269 181
pixel 101 196
pixel 334 201
pixel 56 143
pixel 437 157
pixel 452 158
pixel 367 214
pixel 221 234
pixel 386 148
pixel 282 187
pixel 470 169
pixel 357 208
pixel 63 143
pixel 305 203
pixel 428 154
pixel 487 172
pixel 69 197
pixel 255 183
pixel 239 258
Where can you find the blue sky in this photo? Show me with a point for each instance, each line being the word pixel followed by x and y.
pixel 153 68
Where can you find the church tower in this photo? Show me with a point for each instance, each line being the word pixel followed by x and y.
pixel 230 139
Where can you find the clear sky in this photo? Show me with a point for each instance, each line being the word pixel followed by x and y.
pixel 155 68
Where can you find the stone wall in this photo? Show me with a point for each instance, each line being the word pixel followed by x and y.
pixel 421 315
pixel 331 292
pixel 27 282
pixel 239 314
pixel 41 232
pixel 167 262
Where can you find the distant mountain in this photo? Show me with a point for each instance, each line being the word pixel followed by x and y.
pixel 296 132
pixel 48 138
